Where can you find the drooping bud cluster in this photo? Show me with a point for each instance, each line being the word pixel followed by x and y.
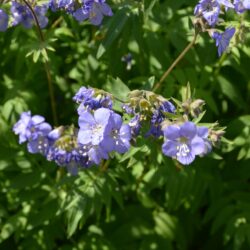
pixel 207 14
pixel 147 106
pixel 92 99
pixel 93 10
pixel 102 131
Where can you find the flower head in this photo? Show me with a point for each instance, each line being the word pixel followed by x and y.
pixel 30 128
pixel 223 39
pixel 94 10
pixel 241 5
pixel 184 142
pixel 158 117
pixel 22 14
pixel 92 99
pixel 209 10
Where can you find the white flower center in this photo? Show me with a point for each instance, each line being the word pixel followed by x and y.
pixel 183 150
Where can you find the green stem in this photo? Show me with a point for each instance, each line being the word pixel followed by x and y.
pixel 46 64
pixel 177 60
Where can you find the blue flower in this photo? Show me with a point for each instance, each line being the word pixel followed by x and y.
pixel 66 5
pixel 72 160
pixel 93 127
pixel 30 128
pixel 40 145
pixel 117 135
pixel 94 10
pixel 184 142
pixel 158 117
pixel 4 19
pixel 223 39
pixel 90 99
pixel 83 94
pixel 128 60
pixel 241 5
pixel 209 10
pixel 226 3
pixel 22 14
pixel 135 125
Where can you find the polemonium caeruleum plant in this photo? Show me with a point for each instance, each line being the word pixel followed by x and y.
pixel 123 145
pixel 101 130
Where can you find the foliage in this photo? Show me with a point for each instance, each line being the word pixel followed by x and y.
pixel 140 200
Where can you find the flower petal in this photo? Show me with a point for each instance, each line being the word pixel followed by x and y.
pixel 169 148
pixel 102 115
pixel 186 160
pixel 86 119
pixel 105 9
pixel 84 136
pixel 188 130
pixel 202 132
pixel 117 121
pixel 198 146
pixel 172 132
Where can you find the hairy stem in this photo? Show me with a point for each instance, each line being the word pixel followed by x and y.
pixel 177 60
pixel 46 64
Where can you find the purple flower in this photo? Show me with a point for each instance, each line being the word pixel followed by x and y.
pixel 40 145
pixel 40 13
pixel 241 5
pixel 223 39
pixel 65 151
pixel 67 5
pixel 69 159
pixel 117 136
pixel 93 127
pixel 128 60
pixel 94 10
pixel 226 3
pixel 167 107
pixel 90 99
pixel 102 133
pixel 184 142
pixel 4 19
pixel 135 125
pixel 203 133
pixel 83 94
pixel 128 109
pixel 22 14
pixel 158 117
pixel 209 10
pixel 30 128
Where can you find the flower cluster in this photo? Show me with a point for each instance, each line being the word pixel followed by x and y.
pixel 207 14
pixel 21 14
pixel 103 132
pixel 92 99
pixel 93 10
pixel 145 105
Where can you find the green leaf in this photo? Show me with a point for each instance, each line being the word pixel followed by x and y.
pixel 229 90
pixel 117 23
pixel 118 89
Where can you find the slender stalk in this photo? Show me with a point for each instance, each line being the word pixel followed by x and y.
pixel 46 65
pixel 177 60
pixel 104 166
